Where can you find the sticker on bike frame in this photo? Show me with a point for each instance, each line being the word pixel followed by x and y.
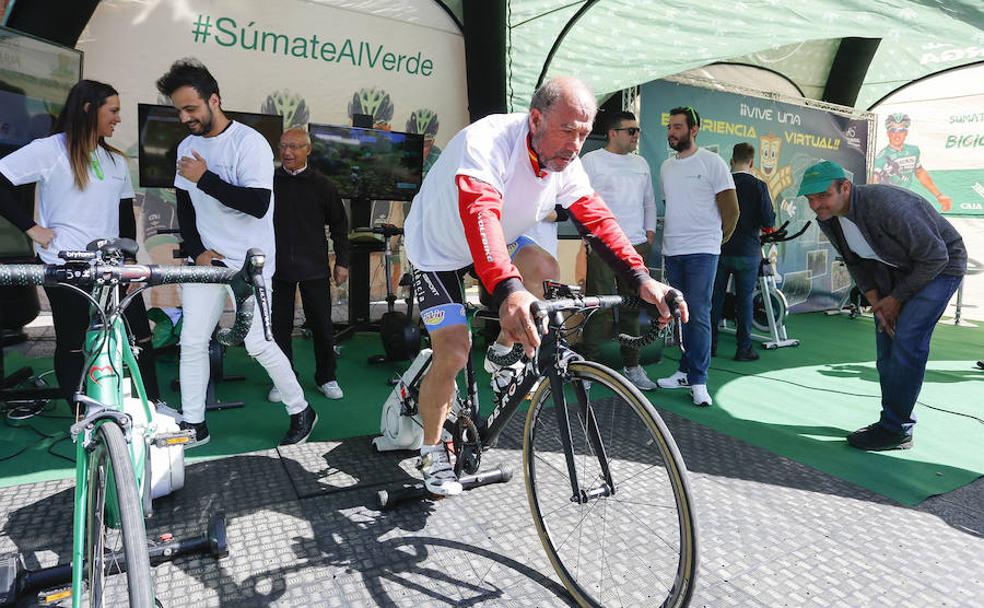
pixel 445 315
pixel 98 373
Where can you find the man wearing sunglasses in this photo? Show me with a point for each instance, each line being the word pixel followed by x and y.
pixel 701 213
pixel 623 180
pixel 898 162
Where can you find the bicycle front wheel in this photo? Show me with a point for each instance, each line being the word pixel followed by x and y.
pixel 628 538
pixel 115 536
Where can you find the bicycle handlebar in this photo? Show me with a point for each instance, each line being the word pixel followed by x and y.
pixel 544 308
pixel 87 269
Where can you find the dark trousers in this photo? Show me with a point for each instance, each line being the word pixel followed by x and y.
pixel 70 314
pixel 602 280
pixel 316 302
pixel 745 270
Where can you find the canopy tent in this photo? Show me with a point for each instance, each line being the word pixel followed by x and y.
pixel 821 46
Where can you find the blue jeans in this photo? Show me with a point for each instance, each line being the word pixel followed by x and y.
pixel 745 270
pixel 902 359
pixel 693 274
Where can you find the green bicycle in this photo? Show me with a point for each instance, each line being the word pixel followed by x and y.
pixel 115 433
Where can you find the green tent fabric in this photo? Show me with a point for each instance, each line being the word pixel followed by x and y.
pixel 616 44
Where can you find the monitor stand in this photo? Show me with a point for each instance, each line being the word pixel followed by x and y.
pixel 359 274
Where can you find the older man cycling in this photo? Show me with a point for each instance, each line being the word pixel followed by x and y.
pixel 494 181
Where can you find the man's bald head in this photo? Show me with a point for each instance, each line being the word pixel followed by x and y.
pixel 561 114
pixel 567 90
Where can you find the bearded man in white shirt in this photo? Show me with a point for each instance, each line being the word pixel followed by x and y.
pixel 623 180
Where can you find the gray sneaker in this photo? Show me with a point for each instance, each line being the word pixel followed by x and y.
pixel 439 477
pixel 331 390
pixel 637 376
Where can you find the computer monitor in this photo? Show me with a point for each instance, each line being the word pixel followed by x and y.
pixel 160 132
pixel 370 164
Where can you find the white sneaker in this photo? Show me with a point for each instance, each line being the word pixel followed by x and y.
pixel 439 477
pixel 700 395
pixel 637 376
pixel 677 380
pixel 331 390
pixel 274 395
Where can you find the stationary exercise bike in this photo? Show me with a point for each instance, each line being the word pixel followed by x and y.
pixel 400 335
pixel 769 305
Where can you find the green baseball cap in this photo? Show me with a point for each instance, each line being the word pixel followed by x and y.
pixel 818 177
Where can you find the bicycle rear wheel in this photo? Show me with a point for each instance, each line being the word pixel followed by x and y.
pixel 121 547
pixel 634 544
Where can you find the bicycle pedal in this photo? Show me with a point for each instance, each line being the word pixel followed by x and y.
pixel 55 597
pixel 164 440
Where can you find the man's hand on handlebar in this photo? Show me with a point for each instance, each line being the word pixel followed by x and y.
pixel 205 258
pixel 654 292
pixel 517 323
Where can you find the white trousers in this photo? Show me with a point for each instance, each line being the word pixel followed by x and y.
pixel 202 306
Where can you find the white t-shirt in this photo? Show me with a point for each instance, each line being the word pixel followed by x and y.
pixel 240 156
pixel 693 221
pixel 77 217
pixel 493 150
pixel 624 182
pixel 856 241
pixel 545 236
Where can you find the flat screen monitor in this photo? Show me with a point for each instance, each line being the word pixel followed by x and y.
pixel 160 132
pixel 368 163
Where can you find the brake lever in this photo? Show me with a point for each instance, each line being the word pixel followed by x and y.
pixel 255 260
pixel 673 299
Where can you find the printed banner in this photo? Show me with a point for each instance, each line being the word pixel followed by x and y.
pixel 935 149
pixel 788 138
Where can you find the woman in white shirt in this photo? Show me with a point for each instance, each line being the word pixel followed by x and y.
pixel 85 194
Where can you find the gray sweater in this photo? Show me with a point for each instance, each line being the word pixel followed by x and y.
pixel 904 230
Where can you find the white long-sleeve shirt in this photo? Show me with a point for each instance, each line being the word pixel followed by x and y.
pixel 625 184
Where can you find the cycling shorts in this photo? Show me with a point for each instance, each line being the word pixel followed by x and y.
pixel 440 294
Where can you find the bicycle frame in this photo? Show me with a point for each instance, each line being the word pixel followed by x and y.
pixel 106 354
pixel 552 357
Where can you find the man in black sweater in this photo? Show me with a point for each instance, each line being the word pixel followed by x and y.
pixel 741 255
pixel 306 203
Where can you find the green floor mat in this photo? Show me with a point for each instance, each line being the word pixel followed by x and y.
pixel 797 402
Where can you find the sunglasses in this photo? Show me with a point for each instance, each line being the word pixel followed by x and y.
pixel 631 130
pixel 898 130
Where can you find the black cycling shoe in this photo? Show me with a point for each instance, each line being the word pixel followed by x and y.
pixel 201 433
pixel 746 355
pixel 301 425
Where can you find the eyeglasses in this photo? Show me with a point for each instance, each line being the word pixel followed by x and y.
pixel 291 146
pixel 898 130
pixel 631 130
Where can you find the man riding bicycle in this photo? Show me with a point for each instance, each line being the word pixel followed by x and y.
pixel 494 181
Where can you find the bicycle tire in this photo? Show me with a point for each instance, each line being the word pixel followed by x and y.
pixel 110 462
pixel 632 581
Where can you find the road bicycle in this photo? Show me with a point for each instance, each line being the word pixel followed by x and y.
pixel 606 484
pixel 116 434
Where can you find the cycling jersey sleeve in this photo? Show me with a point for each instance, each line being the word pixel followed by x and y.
pixel 598 228
pixel 480 207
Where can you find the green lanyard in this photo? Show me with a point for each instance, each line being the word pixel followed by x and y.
pixel 96 167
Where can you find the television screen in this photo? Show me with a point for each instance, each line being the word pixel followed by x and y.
pixel 368 163
pixel 160 132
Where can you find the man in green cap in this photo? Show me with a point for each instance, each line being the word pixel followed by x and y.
pixel 908 261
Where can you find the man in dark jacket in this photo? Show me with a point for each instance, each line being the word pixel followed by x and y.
pixel 306 203
pixel 908 261
pixel 741 255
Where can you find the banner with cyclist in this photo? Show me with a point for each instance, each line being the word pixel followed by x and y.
pixel 935 150
pixel 788 138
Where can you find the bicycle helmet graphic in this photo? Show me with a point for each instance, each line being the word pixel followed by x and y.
pixel 898 120
pixel 289 105
pixel 372 101
pixel 424 122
